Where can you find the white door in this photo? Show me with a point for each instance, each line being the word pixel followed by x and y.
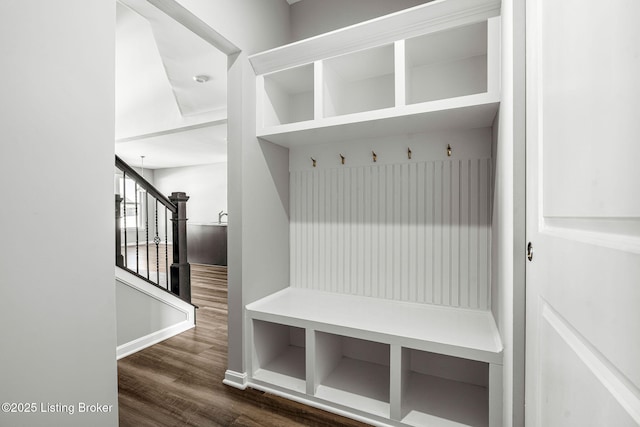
pixel 583 213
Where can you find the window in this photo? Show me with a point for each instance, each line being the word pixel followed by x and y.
pixel 132 203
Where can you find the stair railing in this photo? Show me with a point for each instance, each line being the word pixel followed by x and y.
pixel 142 232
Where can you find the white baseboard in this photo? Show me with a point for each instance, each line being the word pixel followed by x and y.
pixel 151 339
pixel 158 294
pixel 235 379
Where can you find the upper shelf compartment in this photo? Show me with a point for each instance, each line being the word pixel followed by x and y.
pixel 288 96
pixel 431 67
pixel 358 82
pixel 446 64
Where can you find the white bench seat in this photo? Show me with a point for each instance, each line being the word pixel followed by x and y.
pixel 380 361
pixel 465 333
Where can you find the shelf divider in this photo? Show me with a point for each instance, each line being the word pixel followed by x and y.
pixel 493 55
pixel 399 375
pixel 400 74
pixel 311 360
pixel 318 79
pixel 260 100
pixel 495 394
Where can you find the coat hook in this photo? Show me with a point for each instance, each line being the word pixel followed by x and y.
pixel 342 159
pixel 409 153
pixel 314 162
pixel 375 156
pixel 448 150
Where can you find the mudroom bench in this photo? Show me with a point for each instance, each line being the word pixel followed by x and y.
pixel 381 361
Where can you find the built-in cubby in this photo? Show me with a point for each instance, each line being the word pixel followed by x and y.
pixel 440 387
pixel 360 81
pixel 418 83
pixel 353 372
pixel 390 125
pixel 279 355
pixel 446 64
pixel 415 364
pixel 288 96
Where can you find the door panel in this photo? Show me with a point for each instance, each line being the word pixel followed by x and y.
pixel 583 213
pixel 575 384
pixel 591 107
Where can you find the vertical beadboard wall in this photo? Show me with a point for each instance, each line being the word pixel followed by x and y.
pixel 414 230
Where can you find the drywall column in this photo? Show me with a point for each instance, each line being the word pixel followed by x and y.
pixel 57 310
pixel 235 366
pixel 508 223
pixel 258 242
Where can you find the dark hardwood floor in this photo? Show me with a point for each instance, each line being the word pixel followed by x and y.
pixel 178 382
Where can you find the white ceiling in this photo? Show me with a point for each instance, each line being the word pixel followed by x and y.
pixel 184 148
pixel 161 112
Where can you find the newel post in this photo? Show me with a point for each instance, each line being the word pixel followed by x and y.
pixel 180 269
pixel 119 257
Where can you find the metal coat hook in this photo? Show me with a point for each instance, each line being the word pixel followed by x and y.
pixel 448 150
pixel 314 162
pixel 341 159
pixel 409 153
pixel 375 156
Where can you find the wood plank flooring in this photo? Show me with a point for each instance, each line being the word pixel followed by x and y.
pixel 178 382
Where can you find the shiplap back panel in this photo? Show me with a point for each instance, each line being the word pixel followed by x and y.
pixel 414 231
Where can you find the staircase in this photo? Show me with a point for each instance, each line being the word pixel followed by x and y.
pixel 153 277
pixel 144 219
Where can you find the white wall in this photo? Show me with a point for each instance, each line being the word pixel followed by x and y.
pixel 57 310
pixel 312 17
pixel 206 186
pixel 251 25
pixel 509 217
pixel 140 314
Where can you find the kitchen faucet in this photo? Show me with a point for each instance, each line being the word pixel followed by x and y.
pixel 220 215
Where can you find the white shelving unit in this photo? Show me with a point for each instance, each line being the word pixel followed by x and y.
pixel 460 69
pixel 443 390
pixel 358 82
pixel 378 357
pixel 279 355
pixel 288 96
pixel 354 371
pixel 435 80
pixel 432 69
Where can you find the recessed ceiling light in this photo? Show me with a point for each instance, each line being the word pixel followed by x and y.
pixel 201 78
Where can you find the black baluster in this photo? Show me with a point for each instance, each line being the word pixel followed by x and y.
pixel 137 238
pixel 119 259
pixel 156 240
pixel 146 230
pixel 166 247
pixel 124 195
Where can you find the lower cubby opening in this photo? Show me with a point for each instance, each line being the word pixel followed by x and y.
pixel 279 355
pixel 353 373
pixel 443 390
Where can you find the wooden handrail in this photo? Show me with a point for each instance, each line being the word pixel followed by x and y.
pixel 131 173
